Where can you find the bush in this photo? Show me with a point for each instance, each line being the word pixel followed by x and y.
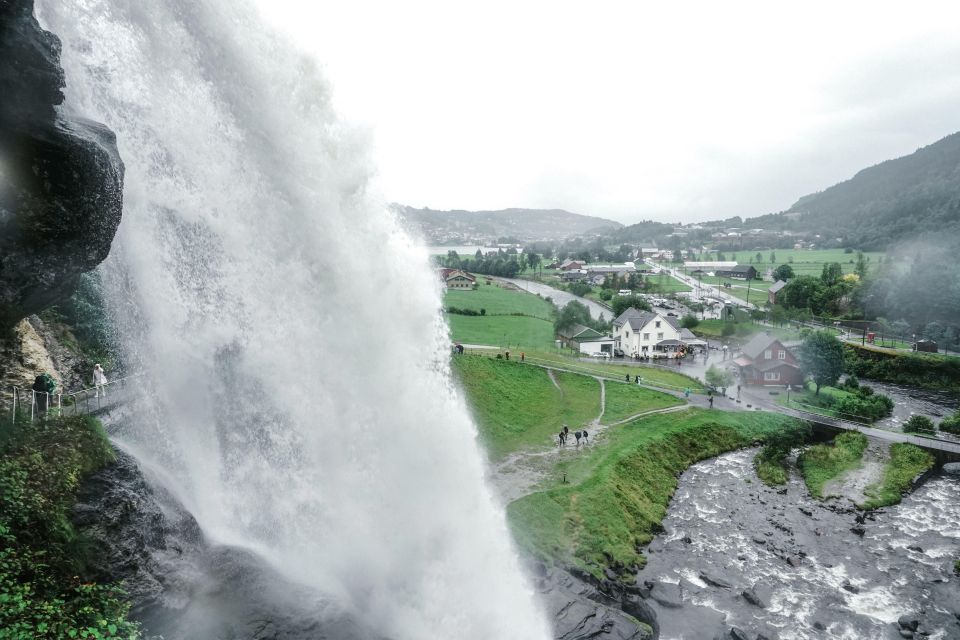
pixel 689 321
pixel 951 424
pixel 865 405
pixel 851 383
pixel 579 288
pixel 919 424
pixel 606 294
pixel 42 590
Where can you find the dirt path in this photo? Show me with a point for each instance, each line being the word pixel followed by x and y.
pixel 553 379
pixel 851 485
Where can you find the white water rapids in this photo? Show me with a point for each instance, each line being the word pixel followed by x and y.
pixel 289 329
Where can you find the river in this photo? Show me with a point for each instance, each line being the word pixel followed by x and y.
pixel 561 298
pixel 814 576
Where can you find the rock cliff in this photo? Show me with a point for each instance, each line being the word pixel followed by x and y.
pixel 61 178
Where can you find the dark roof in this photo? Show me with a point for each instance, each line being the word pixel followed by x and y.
pixel 639 319
pixel 776 286
pixel 758 345
pixel 667 343
pixel 632 312
pixel 740 268
pixel 587 334
pixel 572 331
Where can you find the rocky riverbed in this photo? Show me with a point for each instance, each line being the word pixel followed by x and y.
pixel 740 559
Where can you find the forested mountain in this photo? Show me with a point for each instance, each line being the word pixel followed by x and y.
pixel 912 196
pixel 523 225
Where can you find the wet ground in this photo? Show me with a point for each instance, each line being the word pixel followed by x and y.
pixel 736 553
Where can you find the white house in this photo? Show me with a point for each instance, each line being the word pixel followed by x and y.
pixel 647 333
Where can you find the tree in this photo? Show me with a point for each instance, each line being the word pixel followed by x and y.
pixel 773 257
pixel 719 378
pixel 821 356
pixel 689 321
pixel 759 257
pixel 800 292
pixel 533 260
pixel 622 303
pixel 606 294
pixel 572 313
pixel 478 255
pixel 783 272
pixel 861 267
pixel 831 274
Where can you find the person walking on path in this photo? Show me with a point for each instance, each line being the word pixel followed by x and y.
pixel 562 439
pixel 522 356
pixel 585 436
pixel 686 393
pixel 99 381
pixel 738 393
pixel 711 402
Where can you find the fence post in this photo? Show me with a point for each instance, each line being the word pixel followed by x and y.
pixel 14 417
pixel 33 403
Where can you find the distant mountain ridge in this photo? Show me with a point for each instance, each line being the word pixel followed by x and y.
pixel 914 195
pixel 525 225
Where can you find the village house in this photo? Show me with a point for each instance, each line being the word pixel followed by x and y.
pixel 739 272
pixel 457 279
pixel 569 265
pixel 774 289
pixel 586 340
pixel 646 333
pixel 766 361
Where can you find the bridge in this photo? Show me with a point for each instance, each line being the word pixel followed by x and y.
pixel 89 401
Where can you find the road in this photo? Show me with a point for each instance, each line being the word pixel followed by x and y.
pixel 560 298
pixel 700 290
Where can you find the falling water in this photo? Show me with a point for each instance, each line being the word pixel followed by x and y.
pixel 289 330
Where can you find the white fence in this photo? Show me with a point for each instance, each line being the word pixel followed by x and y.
pixel 84 402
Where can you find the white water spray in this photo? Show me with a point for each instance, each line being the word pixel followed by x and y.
pixel 291 331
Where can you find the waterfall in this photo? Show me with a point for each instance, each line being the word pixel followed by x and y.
pixel 290 331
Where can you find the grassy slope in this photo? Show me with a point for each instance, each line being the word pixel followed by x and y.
pixel 805 262
pixel 516 405
pixel 657 376
pixel 619 493
pixel 906 462
pixel 823 462
pixel 533 329
pixel 625 400
pixel 497 300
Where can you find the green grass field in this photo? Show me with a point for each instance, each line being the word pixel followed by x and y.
pixel 906 462
pixel 498 300
pixel 823 462
pixel 617 494
pixel 654 376
pixel 624 400
pixel 532 330
pixel 804 261
pixel 517 406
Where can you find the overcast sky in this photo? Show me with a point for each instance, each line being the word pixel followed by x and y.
pixel 627 110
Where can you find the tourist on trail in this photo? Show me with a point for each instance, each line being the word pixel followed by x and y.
pixel 522 356
pixel 585 436
pixel 577 435
pixel 566 432
pixel 43 387
pixel 99 381
pixel 563 439
pixel 628 377
pixel 711 402
pixel 637 379
pixel 738 392
pixel 686 393
pixel 507 354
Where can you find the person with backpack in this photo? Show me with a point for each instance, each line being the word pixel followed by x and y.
pixel 43 387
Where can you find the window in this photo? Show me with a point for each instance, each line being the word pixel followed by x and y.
pixel 659 336
pixel 628 333
pixel 658 324
pixel 646 336
pixel 767 354
pixel 782 355
pixel 771 375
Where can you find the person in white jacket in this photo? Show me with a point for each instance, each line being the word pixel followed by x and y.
pixel 99 380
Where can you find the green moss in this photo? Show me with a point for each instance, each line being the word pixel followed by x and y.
pixel 906 462
pixel 823 462
pixel 42 591
pixel 618 494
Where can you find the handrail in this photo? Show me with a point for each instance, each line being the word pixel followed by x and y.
pixel 78 400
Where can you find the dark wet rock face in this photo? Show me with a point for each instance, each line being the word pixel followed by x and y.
pixel 182 586
pixel 61 179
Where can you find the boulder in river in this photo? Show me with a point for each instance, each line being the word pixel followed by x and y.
pixel 757 595
pixel 715 580
pixel 952 468
pixel 667 594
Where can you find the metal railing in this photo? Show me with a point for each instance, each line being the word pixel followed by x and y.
pixel 87 401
